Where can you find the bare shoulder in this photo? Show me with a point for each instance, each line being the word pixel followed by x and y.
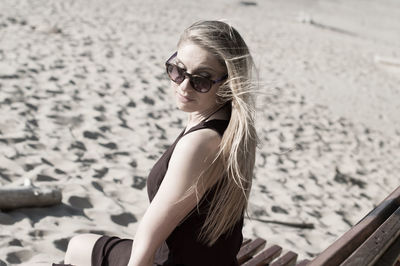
pixel 203 140
pixel 192 154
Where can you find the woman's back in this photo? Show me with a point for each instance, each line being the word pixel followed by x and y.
pixel 182 247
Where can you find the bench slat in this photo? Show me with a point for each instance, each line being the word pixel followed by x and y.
pixel 246 241
pixel 289 259
pixel 391 255
pixel 247 251
pixel 372 249
pixel 265 256
pixel 303 263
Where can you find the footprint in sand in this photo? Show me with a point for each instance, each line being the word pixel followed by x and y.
pixel 126 85
pixel 38 234
pixel 133 164
pixel 277 209
pixel 78 145
pixel 45 178
pixel 347 179
pixel 61 244
pixel 101 172
pixel 248 3
pixel 139 182
pixel 104 129
pixel 120 115
pixel 97 186
pixel 100 118
pixel 131 104
pixel 18 257
pixel 4 174
pixel 80 202
pixel 148 100
pixel 15 242
pixel 110 145
pixel 91 135
pixel 59 171
pixel 124 218
pixel 154 116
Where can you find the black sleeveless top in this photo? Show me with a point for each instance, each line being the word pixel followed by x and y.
pixel 182 246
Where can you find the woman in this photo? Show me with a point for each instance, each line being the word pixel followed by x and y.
pixel 199 188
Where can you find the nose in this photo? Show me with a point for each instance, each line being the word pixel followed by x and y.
pixel 185 85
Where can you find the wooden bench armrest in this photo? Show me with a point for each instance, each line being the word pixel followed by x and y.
pixel 342 248
pixel 375 240
pixel 378 243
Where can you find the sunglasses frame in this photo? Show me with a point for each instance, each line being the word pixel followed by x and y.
pixel 191 76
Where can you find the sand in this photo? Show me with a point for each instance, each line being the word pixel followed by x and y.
pixel 85 106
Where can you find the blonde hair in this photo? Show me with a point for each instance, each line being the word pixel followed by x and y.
pixel 232 169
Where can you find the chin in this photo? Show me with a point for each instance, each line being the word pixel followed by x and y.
pixel 184 105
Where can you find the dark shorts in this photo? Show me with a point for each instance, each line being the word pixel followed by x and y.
pixel 112 251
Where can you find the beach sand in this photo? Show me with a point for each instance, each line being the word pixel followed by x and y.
pixel 85 106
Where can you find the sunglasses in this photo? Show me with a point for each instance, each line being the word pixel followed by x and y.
pixel 198 83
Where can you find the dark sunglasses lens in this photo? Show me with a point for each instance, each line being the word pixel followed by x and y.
pixel 201 84
pixel 175 73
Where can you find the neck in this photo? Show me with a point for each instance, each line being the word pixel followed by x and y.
pixel 197 117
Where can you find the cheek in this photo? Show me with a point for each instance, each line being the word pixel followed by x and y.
pixel 209 98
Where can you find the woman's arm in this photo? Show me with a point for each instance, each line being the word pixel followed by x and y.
pixel 192 154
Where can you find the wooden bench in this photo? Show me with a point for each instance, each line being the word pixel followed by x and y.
pixel 375 240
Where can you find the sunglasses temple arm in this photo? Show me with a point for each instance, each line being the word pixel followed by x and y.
pixel 172 56
pixel 221 79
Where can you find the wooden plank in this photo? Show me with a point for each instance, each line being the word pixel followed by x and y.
pixel 289 259
pixel 391 255
pixel 341 249
pixel 247 251
pixel 246 241
pixel 265 256
pixel 372 249
pixel 303 263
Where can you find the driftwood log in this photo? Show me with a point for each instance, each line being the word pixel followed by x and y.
pixel 28 196
pixel 387 61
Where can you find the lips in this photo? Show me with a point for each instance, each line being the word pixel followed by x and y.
pixel 183 98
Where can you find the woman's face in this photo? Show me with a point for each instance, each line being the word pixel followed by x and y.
pixel 198 61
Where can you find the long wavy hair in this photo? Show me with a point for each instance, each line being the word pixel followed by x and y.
pixel 232 170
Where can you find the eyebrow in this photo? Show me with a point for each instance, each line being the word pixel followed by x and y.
pixel 200 68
